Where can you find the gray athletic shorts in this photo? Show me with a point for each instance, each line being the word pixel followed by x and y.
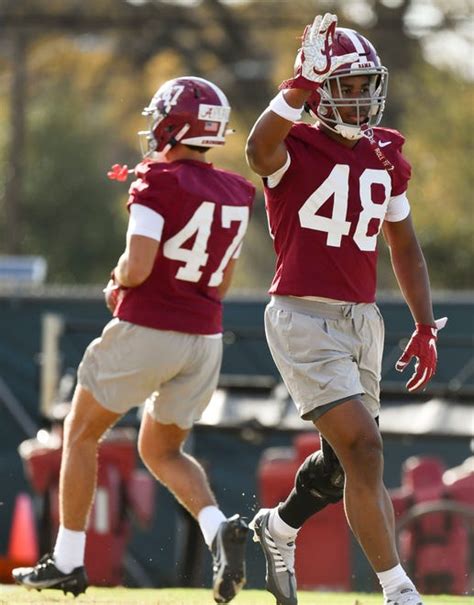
pixel 174 373
pixel 326 353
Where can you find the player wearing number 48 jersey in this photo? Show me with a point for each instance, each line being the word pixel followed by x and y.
pixel 330 188
pixel 337 208
pixel 164 347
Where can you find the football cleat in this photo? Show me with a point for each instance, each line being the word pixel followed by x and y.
pixel 406 595
pixel 228 553
pixel 45 574
pixel 279 558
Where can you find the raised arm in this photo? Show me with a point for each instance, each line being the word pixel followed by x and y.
pixel 266 151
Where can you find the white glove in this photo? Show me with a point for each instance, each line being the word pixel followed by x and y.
pixel 314 62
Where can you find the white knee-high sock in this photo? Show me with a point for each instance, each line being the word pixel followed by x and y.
pixel 69 549
pixel 209 519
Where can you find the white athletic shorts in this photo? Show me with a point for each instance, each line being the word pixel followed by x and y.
pixel 326 353
pixel 174 373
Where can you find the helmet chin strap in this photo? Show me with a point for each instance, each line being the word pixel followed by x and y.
pixel 351 133
pixel 176 139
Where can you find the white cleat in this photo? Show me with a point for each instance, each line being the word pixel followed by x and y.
pixel 406 595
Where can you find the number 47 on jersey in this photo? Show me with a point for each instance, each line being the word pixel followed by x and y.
pixel 199 225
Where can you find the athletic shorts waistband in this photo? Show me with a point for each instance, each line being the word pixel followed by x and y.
pixel 320 309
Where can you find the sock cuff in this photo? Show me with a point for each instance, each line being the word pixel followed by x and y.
pixel 69 549
pixel 391 573
pixel 280 527
pixel 209 519
pixel 392 578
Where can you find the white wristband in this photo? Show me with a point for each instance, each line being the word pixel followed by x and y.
pixel 279 106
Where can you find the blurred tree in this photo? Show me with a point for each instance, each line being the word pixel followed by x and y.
pixel 73 216
pixel 439 142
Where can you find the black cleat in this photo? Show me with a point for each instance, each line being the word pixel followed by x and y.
pixel 45 574
pixel 228 553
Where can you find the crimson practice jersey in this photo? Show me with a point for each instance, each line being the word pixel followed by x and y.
pixel 327 210
pixel 205 212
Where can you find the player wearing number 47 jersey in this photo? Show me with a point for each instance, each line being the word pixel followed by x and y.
pixel 330 188
pixel 164 347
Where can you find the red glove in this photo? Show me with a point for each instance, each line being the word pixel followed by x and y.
pixel 421 345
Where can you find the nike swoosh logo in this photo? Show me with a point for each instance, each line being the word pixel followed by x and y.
pixel 384 143
pixel 48 583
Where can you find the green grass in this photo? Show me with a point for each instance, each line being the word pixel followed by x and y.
pixel 16 595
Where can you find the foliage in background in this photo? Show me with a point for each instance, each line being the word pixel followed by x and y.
pixel 439 129
pixel 438 126
pixel 92 67
pixel 73 214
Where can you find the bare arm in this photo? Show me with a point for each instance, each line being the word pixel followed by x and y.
pixel 410 268
pixel 136 262
pixel 266 151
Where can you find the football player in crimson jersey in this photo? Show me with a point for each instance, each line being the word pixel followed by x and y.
pixel 164 346
pixel 330 187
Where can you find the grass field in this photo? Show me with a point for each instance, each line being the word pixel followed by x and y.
pixel 16 595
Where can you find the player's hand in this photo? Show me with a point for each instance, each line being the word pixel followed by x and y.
pixel 113 293
pixel 422 346
pixel 314 62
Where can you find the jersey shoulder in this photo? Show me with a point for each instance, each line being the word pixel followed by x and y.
pixel 247 188
pixel 390 143
pixel 302 140
pixel 151 171
pixel 389 136
pixel 204 182
pixel 303 133
pixel 155 183
pixel 159 184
